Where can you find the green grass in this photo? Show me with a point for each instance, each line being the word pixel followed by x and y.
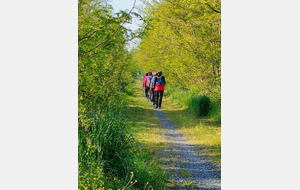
pixel 203 132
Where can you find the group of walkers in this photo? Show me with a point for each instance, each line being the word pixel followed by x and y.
pixel 154 86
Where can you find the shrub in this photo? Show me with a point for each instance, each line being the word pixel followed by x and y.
pixel 199 105
pixel 204 105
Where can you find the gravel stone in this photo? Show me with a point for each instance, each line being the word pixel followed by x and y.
pixel 184 164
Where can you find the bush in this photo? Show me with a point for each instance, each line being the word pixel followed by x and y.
pixel 199 105
pixel 204 105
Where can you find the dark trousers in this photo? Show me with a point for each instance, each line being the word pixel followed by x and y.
pixel 151 95
pixel 146 91
pixel 158 98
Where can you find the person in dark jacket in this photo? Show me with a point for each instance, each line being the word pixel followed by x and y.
pixel 151 87
pixel 159 87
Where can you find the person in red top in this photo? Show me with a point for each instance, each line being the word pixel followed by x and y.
pixel 159 88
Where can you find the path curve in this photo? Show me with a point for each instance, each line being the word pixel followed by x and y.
pixel 185 165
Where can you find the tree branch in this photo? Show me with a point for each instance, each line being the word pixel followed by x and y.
pixel 82 53
pixel 213 8
pixel 90 34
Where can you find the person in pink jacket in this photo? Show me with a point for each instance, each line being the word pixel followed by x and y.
pixel 148 85
pixel 144 84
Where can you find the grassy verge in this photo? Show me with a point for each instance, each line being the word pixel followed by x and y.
pixel 202 132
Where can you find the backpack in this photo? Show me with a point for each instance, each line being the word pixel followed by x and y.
pixel 152 85
pixel 159 81
pixel 149 80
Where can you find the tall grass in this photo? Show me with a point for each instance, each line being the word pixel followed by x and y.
pixel 215 110
pixel 110 157
pixel 104 139
pixel 177 95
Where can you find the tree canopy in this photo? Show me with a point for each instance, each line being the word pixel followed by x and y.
pixel 183 38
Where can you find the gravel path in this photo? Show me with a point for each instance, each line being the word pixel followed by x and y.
pixel 186 167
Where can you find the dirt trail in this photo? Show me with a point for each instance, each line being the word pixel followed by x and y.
pixel 186 166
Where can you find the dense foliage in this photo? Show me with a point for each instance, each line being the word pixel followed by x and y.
pixel 104 65
pixel 108 155
pixel 183 38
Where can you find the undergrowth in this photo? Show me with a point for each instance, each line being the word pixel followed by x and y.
pixel 200 104
pixel 109 156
